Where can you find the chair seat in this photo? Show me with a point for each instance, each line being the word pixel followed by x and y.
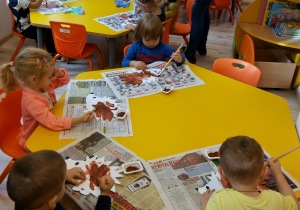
pixel 88 49
pixel 181 29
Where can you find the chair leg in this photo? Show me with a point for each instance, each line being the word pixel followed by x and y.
pixel 239 6
pixel 100 58
pixel 68 60
pixel 18 48
pixel 220 13
pixel 6 170
pixel 90 62
pixel 186 40
pixel 57 56
pixel 231 16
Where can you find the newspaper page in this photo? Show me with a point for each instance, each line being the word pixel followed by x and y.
pixel 122 81
pixel 75 105
pixel 118 21
pixel 52 7
pixel 136 191
pixel 177 177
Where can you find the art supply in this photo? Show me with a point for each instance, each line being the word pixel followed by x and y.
pixel 284 154
pixel 132 167
pixel 120 114
pixel 167 89
pixel 104 127
pixel 87 117
pixel 169 61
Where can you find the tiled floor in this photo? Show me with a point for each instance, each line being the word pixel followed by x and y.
pixel 218 46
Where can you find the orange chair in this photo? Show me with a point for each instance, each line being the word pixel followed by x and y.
pixel 16 33
pixel 182 29
pixel 247 50
pixel 220 5
pixel 10 127
pixel 238 70
pixel 70 41
pixel 238 5
pixel 126 49
pixel 166 27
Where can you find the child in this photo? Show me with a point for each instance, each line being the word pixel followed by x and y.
pixel 147 46
pixel 36 70
pixel 20 9
pixel 171 8
pixel 242 163
pixel 148 6
pixel 37 181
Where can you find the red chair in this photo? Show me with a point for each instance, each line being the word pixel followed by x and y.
pixel 10 127
pixel 238 70
pixel 166 28
pixel 70 41
pixel 182 29
pixel 16 33
pixel 220 5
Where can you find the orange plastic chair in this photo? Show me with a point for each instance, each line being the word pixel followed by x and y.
pixel 16 33
pixel 10 127
pixel 220 5
pixel 247 52
pixel 182 29
pixel 70 41
pixel 166 27
pixel 238 5
pixel 238 70
pixel 126 49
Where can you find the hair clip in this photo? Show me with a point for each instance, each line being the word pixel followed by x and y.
pixel 11 63
pixel 47 63
pixel 39 64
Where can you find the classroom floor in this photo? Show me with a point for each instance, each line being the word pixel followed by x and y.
pixel 218 46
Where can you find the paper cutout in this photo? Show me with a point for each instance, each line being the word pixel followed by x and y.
pixel 86 186
pixel 214 184
pixel 138 77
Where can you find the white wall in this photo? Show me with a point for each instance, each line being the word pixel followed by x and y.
pixel 5 20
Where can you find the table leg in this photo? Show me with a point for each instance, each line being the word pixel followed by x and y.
pixel 232 8
pixel 112 52
pixel 40 38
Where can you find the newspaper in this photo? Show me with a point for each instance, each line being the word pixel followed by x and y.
pixel 75 105
pixel 136 191
pixel 177 77
pixel 52 7
pixel 118 21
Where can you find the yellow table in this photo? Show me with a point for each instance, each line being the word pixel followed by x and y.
pixel 93 9
pixel 198 117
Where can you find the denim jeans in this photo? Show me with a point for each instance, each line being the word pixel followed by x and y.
pixel 200 26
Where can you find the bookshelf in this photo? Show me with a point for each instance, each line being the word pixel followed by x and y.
pixel 264 36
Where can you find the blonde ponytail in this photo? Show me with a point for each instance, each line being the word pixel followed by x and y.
pixel 7 79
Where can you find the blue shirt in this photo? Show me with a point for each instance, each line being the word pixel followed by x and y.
pixel 139 52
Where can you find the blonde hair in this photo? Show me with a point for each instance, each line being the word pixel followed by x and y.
pixel 149 26
pixel 30 62
pixel 144 2
pixel 242 159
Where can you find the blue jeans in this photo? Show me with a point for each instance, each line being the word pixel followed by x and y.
pixel 200 26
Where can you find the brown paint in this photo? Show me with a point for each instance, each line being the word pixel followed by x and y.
pixel 103 111
pixel 213 154
pixel 96 172
pixel 166 89
pixel 121 114
pixel 131 168
pixel 136 78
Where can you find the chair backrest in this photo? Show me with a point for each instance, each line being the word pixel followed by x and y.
pixel 126 49
pixel 10 126
pixel 189 6
pixel 238 70
pixel 222 3
pixel 247 49
pixel 69 38
pixel 166 27
pixel 13 28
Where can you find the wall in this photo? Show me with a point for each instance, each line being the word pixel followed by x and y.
pixel 5 23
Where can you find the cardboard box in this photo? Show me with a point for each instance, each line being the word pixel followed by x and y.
pixel 277 70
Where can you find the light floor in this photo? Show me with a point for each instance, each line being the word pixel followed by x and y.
pixel 218 46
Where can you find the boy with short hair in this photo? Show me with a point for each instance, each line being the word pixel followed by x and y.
pixel 37 181
pixel 242 163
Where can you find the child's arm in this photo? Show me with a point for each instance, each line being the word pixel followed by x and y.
pixel 74 173
pixel 177 56
pixel 78 120
pixel 282 184
pixel 138 64
pixel 130 26
pixel 205 197
pixel 104 200
pixel 61 77
pixel 130 58
pixel 170 53
pixel 34 4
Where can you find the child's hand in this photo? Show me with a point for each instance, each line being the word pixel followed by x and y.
pixel 106 183
pixel 177 56
pixel 130 26
pixel 88 117
pixel 75 173
pixel 274 166
pixel 205 197
pixel 139 65
pixel 58 73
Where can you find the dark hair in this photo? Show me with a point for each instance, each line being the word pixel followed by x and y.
pixel 36 177
pixel 242 159
pixel 149 26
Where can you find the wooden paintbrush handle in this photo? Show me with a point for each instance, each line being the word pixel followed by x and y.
pixel 284 154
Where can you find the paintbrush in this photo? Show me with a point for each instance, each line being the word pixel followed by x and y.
pixel 87 117
pixel 284 154
pixel 169 61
